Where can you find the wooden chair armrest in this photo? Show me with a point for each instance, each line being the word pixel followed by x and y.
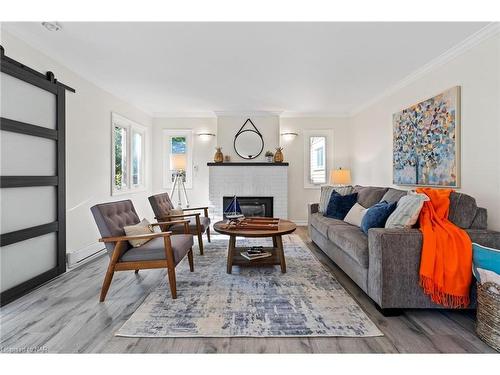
pixel 204 208
pixel 195 208
pixel 169 222
pixel 163 224
pixel 166 218
pixel 135 237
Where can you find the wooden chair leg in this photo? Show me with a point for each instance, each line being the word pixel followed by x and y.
pixel 208 234
pixel 136 271
pixel 170 266
pixel 107 282
pixel 200 243
pixel 117 251
pixel 172 282
pixel 190 259
pixel 199 233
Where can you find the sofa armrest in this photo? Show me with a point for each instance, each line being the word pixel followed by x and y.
pixel 488 238
pixel 312 208
pixel 393 268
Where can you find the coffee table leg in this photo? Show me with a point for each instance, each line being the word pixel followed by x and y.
pixel 281 253
pixel 230 251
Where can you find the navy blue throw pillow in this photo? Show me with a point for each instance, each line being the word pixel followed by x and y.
pixel 339 205
pixel 377 215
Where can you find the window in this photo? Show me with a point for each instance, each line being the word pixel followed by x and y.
pixel 317 170
pixel 317 157
pixel 177 155
pixel 128 155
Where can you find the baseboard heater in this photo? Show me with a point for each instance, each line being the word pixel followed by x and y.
pixel 80 256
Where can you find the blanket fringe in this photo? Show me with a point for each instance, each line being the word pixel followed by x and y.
pixel 439 296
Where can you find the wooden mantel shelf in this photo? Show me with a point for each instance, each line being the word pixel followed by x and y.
pixel 248 164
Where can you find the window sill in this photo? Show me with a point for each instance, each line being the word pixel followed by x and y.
pixel 128 191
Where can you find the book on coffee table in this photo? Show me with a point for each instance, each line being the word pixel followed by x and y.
pixel 253 255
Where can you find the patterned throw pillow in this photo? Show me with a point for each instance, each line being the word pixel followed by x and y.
pixel 377 215
pixel 326 193
pixel 144 227
pixel 355 215
pixel 339 205
pixel 407 211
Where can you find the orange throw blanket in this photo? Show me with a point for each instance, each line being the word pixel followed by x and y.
pixel 445 265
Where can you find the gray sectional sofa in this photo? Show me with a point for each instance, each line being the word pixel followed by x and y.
pixel 385 263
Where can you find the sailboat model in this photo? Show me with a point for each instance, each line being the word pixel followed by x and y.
pixel 233 210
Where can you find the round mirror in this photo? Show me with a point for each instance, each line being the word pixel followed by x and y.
pixel 248 144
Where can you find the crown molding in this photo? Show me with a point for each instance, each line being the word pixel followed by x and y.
pixel 294 114
pixel 200 114
pixel 457 50
pixel 247 113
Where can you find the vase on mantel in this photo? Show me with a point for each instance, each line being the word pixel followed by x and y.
pixel 218 157
pixel 278 155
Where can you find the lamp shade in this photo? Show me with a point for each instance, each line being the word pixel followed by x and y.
pixel 178 162
pixel 340 176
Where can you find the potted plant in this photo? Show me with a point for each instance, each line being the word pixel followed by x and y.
pixel 269 156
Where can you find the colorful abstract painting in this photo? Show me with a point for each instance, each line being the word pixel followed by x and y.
pixel 425 142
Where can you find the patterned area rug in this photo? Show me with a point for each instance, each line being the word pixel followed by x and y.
pixel 251 302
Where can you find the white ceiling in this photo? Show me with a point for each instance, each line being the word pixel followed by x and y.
pixel 322 68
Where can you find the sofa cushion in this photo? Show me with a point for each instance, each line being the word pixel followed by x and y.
pixel 352 241
pixel 322 223
pixel 393 195
pixel 463 210
pixel 340 205
pixel 155 249
pixel 369 195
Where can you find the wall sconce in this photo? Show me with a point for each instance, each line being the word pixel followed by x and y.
pixel 288 136
pixel 205 136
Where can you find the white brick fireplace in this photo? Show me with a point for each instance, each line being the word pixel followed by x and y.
pixel 248 179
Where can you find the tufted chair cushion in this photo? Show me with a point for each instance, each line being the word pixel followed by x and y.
pixel 112 217
pixel 161 205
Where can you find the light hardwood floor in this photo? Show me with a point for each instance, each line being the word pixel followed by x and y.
pixel 65 316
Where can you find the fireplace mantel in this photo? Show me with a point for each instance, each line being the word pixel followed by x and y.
pixel 248 164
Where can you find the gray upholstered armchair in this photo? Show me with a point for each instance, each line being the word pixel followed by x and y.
pixel 162 205
pixel 164 250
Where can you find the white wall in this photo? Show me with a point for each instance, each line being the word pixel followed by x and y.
pixel 298 196
pixel 88 144
pixel 203 152
pixel 477 71
pixel 228 126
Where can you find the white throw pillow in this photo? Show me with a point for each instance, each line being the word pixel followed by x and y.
pixel 355 215
pixel 144 227
pixel 407 211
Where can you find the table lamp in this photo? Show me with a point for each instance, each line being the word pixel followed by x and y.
pixel 340 177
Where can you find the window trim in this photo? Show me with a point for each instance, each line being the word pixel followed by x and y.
pixel 167 177
pixel 131 128
pixel 328 134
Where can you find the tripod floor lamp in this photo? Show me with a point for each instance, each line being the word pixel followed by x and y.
pixel 178 164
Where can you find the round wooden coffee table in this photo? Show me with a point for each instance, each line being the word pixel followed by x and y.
pixel 233 253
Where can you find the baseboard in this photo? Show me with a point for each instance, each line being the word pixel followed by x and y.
pixel 84 254
pixel 299 222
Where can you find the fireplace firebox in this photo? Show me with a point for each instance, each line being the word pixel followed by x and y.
pixel 252 206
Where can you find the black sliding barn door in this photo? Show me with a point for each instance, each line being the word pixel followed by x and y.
pixel 32 182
